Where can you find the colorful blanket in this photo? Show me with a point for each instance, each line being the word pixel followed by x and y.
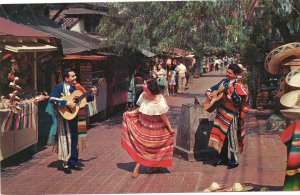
pixel 291 138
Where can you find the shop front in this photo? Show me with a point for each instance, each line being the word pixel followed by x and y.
pixel 90 70
pixel 117 73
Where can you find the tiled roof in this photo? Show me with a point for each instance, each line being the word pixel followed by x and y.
pixel 69 17
pixel 10 28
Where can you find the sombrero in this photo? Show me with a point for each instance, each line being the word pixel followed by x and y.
pixel 293 78
pixel 291 99
pixel 276 56
pixel 291 113
pixel 238 187
pixel 215 187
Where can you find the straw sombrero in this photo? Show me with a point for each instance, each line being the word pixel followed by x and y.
pixel 276 56
pixel 291 99
pixel 293 78
pixel 215 187
pixel 291 113
pixel 238 187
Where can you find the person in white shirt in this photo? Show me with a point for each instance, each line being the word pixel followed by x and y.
pixel 181 70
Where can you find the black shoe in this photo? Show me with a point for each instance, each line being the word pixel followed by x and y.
pixel 67 170
pixel 232 165
pixel 76 167
pixel 221 161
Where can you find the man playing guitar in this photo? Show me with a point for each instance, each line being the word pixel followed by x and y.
pixel 227 134
pixel 67 130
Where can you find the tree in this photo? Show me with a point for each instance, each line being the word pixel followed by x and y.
pixel 191 25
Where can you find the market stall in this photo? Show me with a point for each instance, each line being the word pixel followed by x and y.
pixel 116 72
pixel 24 55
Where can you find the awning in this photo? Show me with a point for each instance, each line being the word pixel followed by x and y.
pixel 72 42
pixel 32 47
pixel 84 57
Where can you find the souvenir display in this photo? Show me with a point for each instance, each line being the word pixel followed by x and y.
pixel 14 101
pixel 278 55
pixel 293 78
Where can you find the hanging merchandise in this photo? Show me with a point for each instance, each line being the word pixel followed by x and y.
pixel 22 119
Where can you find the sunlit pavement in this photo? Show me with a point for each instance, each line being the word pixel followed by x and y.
pixel 107 167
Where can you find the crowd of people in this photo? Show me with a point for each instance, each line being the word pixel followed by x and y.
pixel 216 63
pixel 172 76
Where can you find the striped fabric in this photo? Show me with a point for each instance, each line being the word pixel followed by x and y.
pixel 221 125
pixel 291 138
pixel 147 139
pixel 81 125
pixel 24 118
pixel 224 117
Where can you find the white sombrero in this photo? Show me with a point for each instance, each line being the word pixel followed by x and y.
pixel 291 99
pixel 215 187
pixel 276 56
pixel 292 113
pixel 238 187
pixel 293 78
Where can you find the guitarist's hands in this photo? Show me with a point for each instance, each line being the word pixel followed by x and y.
pixel 209 94
pixel 71 104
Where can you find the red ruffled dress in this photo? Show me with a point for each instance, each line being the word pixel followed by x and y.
pixel 145 136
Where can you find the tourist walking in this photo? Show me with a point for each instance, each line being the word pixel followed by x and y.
pixel 172 81
pixel 161 75
pixel 181 70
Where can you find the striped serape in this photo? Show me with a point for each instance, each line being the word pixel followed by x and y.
pixel 291 138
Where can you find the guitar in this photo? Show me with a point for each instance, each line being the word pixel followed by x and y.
pixel 79 99
pixel 218 97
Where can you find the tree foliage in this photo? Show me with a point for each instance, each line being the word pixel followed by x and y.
pixel 191 25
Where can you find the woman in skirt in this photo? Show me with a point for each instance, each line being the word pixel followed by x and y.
pixel 147 135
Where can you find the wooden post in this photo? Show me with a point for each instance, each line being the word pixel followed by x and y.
pixel 193 131
pixel 35 70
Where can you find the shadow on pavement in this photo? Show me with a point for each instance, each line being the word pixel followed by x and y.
pixel 58 164
pixel 258 187
pixel 126 166
pixel 81 160
pixel 130 166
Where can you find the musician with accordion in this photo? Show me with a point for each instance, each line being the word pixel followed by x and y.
pixel 230 98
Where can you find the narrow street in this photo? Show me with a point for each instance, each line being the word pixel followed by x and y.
pixel 107 166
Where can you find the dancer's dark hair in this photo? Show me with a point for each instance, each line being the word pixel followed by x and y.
pixel 153 86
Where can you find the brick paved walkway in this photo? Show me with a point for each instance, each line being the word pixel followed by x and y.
pixel 107 167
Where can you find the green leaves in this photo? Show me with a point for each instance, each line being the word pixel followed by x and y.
pixel 192 25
